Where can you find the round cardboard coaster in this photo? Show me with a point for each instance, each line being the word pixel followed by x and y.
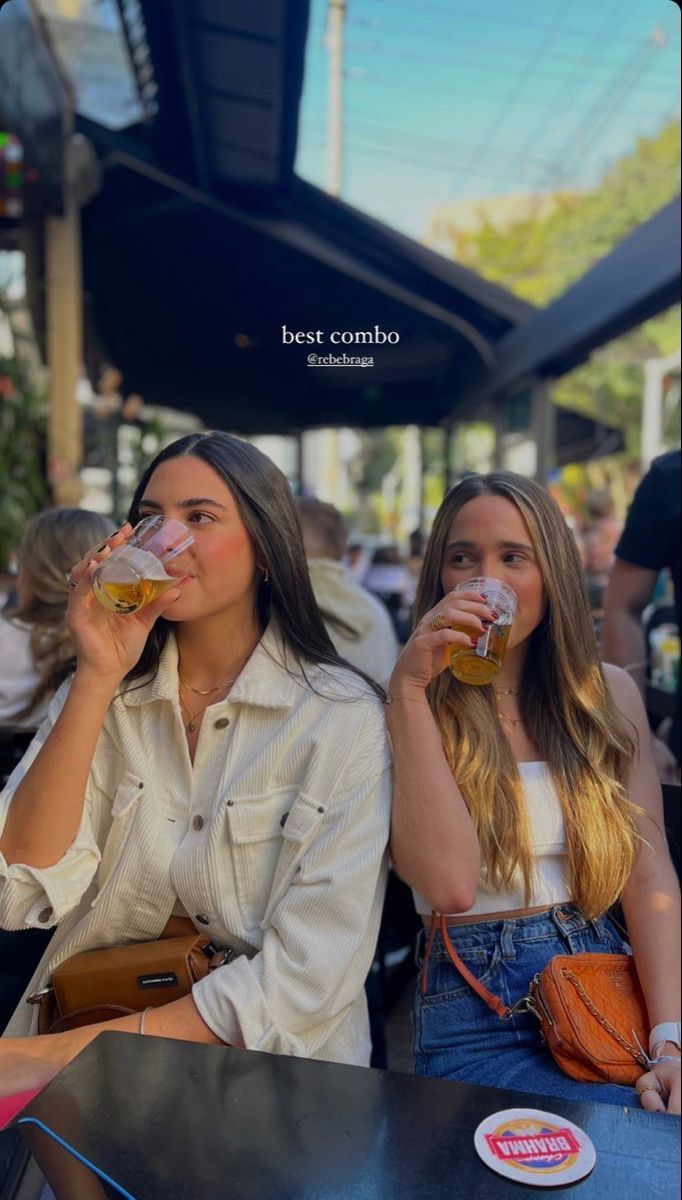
pixel 534 1147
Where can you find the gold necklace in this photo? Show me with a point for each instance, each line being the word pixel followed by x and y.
pixel 507 691
pixel 191 724
pixel 209 691
pixel 511 720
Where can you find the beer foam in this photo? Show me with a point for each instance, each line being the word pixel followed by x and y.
pixel 141 562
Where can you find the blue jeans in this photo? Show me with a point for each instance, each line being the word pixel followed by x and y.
pixel 458 1037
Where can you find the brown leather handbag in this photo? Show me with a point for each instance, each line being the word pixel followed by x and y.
pixel 591 1010
pixel 100 985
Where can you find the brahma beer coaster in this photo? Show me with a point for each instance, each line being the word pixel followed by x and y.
pixel 533 1147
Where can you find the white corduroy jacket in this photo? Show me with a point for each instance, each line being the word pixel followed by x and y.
pixel 277 833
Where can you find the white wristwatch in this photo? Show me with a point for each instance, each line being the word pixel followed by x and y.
pixel 667 1031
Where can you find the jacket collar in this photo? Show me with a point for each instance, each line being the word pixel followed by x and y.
pixel 263 682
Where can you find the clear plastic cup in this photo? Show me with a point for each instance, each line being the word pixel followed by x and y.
pixel 479 664
pixel 135 574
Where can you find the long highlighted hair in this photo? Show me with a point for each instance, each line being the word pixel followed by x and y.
pixel 566 709
pixel 52 542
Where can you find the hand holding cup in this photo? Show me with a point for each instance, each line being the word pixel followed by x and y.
pixel 455 623
pixel 106 646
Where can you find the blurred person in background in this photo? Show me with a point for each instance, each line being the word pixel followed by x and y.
pixel 599 538
pixel 36 651
pixel 356 560
pixel 357 623
pixel 36 656
pixel 390 581
pixel 650 543
pixel 415 557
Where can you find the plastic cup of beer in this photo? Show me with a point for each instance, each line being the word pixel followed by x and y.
pixel 136 573
pixel 479 664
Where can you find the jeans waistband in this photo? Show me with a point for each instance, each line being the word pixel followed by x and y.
pixel 563 920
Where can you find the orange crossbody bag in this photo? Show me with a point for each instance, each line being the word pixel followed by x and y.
pixel 590 1007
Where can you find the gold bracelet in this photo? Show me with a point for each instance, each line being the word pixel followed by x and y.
pixel 413 699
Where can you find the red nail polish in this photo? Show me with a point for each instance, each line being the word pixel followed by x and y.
pixel 474 642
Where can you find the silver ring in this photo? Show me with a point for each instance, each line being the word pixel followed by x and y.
pixel 70 579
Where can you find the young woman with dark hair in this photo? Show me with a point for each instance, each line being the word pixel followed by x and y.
pixel 205 783
pixel 525 808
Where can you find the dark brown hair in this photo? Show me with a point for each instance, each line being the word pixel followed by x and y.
pixel 266 506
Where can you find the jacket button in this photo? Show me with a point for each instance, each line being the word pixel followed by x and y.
pixel 202 919
pixel 44 915
pixel 197 823
pixel 221 723
pixel 283 820
pixel 230 803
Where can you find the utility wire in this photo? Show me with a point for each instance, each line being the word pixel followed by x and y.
pixel 415 7
pixel 598 116
pixel 502 114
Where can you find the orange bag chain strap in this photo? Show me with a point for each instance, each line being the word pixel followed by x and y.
pixel 554 1027
pixel 635 1051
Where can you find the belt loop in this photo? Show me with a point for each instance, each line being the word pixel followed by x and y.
pixel 568 924
pixel 507 947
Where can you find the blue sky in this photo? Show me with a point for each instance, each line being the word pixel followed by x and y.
pixel 449 100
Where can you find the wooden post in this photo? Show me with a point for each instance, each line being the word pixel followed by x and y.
pixel 543 426
pixel 64 294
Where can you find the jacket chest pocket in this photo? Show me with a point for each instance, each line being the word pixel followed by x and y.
pixel 261 830
pixel 124 808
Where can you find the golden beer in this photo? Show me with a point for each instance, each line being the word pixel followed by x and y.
pixel 481 665
pixel 129 580
pixel 125 598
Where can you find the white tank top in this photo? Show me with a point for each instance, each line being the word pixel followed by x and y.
pixel 548 836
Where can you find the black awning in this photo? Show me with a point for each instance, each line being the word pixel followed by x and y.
pixel 578 438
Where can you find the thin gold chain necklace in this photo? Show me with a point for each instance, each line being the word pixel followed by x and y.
pixel 192 724
pixel 511 720
pixel 209 691
pixel 507 691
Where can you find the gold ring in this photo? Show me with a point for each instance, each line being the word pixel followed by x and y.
pixel 648 1087
pixel 437 622
pixel 70 579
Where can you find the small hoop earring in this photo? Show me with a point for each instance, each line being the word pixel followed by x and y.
pixel 266 577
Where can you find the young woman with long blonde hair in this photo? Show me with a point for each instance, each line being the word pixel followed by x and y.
pixel 525 808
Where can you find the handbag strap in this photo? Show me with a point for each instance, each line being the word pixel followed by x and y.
pixel 117 1009
pixel 494 1002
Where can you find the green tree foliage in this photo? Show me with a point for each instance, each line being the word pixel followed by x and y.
pixel 22 447
pixel 540 256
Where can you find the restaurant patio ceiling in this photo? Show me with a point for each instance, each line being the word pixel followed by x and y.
pixel 202 244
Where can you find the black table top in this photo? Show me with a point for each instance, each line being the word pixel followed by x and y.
pixel 175 1119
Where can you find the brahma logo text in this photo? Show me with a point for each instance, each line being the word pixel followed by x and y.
pixel 535 1146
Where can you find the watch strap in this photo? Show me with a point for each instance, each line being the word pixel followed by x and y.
pixel 666 1031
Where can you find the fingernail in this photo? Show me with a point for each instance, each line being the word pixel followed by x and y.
pixel 495 614
pixel 474 642
pixel 101 548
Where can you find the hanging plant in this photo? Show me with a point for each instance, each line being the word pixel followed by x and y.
pixel 23 422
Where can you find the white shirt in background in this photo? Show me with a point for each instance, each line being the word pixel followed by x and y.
pixel 18 676
pixel 374 648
